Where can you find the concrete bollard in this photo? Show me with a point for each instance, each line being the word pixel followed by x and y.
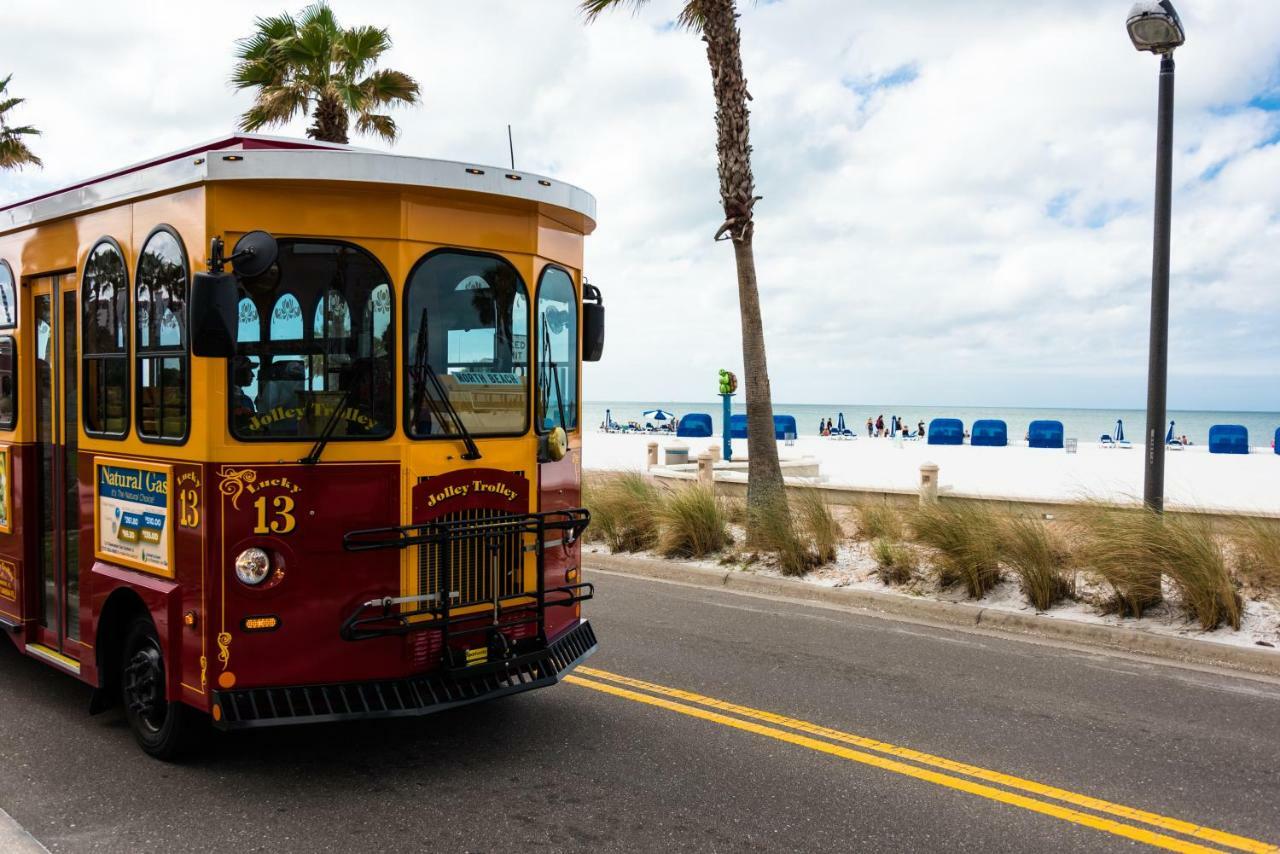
pixel 706 468
pixel 652 459
pixel 714 451
pixel 928 483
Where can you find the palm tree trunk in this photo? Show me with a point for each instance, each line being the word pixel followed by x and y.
pixel 330 119
pixel 766 492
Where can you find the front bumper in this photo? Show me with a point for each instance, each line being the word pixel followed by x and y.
pixel 407 697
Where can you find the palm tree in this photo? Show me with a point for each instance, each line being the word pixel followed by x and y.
pixel 14 153
pixel 717 22
pixel 295 63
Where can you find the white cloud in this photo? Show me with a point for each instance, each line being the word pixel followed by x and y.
pixel 957 195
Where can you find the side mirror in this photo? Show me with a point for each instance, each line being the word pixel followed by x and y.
pixel 214 295
pixel 592 323
pixel 214 321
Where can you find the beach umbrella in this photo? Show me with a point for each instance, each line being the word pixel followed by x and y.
pixel 1168 437
pixel 1119 429
pixel 658 414
pixel 840 423
pixel 608 418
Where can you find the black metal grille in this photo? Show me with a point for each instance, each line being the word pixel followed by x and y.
pixel 417 695
pixel 473 569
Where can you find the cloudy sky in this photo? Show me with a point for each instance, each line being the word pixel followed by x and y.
pixel 957 196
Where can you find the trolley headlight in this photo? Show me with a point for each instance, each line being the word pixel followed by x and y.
pixel 253 566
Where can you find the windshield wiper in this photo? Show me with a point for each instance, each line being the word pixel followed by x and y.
pixel 423 373
pixel 555 373
pixel 313 456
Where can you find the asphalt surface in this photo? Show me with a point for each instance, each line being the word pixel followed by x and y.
pixel 577 767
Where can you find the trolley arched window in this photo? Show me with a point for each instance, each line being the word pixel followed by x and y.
pixel 557 339
pixel 8 298
pixel 104 301
pixel 8 351
pixel 312 357
pixel 162 286
pixel 466 346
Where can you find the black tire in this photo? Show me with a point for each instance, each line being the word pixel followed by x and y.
pixel 164 729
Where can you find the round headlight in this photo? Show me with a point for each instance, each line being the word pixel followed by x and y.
pixel 253 566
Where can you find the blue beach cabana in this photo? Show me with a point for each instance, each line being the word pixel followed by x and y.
pixel 1275 443
pixel 695 425
pixel 738 426
pixel 1045 434
pixel 784 426
pixel 1228 439
pixel 946 431
pixel 990 432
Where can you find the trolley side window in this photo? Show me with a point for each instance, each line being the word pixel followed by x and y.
pixel 105 329
pixel 314 347
pixel 161 312
pixel 8 384
pixel 466 346
pixel 557 320
pixel 8 298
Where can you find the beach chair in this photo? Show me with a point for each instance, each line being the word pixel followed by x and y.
pixel 695 425
pixel 990 433
pixel 946 431
pixel 842 430
pixel 1045 434
pixel 1228 439
pixel 1170 443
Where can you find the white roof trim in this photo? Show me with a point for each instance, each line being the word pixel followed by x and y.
pixel 265 164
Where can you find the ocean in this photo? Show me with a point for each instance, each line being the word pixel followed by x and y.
pixel 1083 424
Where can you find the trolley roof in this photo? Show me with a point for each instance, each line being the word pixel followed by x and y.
pixel 241 157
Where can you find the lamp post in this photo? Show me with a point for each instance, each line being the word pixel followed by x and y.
pixel 1154 26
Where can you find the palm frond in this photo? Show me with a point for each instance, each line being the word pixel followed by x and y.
pixel 14 153
pixel 9 104
pixel 318 15
pixel 269 33
pixel 359 47
pixel 592 9
pixel 23 130
pixel 383 126
pixel 388 86
pixel 5 82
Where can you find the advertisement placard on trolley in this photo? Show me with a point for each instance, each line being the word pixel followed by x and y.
pixel 133 502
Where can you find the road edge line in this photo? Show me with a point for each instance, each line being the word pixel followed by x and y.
pixel 875 603
pixel 15 839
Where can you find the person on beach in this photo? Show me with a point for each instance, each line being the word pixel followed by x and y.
pixel 870 426
pixel 920 428
pixel 879 426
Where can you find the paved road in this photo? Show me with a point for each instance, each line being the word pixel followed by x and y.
pixel 666 742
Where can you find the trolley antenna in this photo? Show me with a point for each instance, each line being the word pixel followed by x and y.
pixel 511 146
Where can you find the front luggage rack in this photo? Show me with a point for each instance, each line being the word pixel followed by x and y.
pixel 505 611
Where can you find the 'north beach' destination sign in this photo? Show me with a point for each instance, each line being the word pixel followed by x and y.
pixel 133 515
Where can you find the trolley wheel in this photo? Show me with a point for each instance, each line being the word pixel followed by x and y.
pixel 164 729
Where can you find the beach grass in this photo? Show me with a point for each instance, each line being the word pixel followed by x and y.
pixel 1133 549
pixel 772 532
pixel 624 511
pixel 878 520
pixel 896 563
pixel 1256 551
pixel 1039 559
pixel 816 523
pixel 692 523
pixel 964 536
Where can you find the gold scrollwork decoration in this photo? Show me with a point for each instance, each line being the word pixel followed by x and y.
pixel 234 482
pixel 204 672
pixel 224 648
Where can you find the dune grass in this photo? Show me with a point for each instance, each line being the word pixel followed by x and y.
pixel 1256 547
pixel 895 563
pixel 773 533
pixel 965 538
pixel 878 520
pixel 1038 558
pixel 816 523
pixel 1132 549
pixel 624 509
pixel 692 522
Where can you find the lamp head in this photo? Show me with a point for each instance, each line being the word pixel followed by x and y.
pixel 1154 26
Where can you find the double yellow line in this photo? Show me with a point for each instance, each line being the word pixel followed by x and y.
pixel 1007 789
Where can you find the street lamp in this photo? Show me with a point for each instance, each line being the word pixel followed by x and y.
pixel 1154 26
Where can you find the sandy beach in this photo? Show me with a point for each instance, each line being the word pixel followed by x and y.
pixel 1193 476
